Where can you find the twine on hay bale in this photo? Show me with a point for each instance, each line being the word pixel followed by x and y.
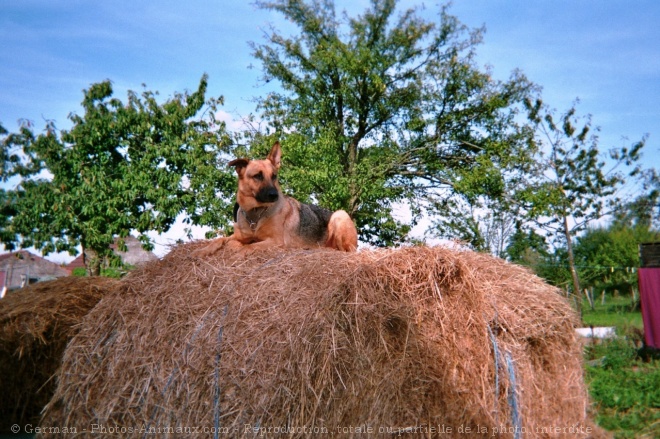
pixel 36 323
pixel 416 340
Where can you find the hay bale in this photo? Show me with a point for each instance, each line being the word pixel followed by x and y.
pixel 416 340
pixel 36 323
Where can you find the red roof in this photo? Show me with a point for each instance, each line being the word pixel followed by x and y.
pixel 76 263
pixel 134 256
pixel 23 264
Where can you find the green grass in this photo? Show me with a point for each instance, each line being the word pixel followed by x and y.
pixel 625 389
pixel 624 380
pixel 116 272
pixel 617 311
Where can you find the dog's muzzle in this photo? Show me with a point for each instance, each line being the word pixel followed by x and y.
pixel 267 195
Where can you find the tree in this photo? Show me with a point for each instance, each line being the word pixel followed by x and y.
pixel 643 211
pixel 498 228
pixel 573 184
pixel 378 111
pixel 606 255
pixel 526 247
pixel 121 167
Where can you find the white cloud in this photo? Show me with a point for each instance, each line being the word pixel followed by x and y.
pixel 178 232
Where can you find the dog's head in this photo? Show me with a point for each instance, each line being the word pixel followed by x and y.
pixel 257 179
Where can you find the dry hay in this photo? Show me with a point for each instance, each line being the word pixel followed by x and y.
pixel 418 340
pixel 36 323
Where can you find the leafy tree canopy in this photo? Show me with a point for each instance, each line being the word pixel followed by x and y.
pixel 121 167
pixel 387 108
pixel 527 247
pixel 573 183
pixel 606 255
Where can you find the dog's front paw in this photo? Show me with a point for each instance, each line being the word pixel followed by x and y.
pixel 210 249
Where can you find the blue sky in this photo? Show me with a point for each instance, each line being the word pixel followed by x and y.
pixel 605 53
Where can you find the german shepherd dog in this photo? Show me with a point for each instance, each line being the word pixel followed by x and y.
pixel 264 217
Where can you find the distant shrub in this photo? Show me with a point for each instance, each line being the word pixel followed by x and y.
pixel 113 272
pixel 625 389
pixel 79 271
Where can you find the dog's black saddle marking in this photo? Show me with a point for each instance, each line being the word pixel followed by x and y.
pixel 236 207
pixel 313 222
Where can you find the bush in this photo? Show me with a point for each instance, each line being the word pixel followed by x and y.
pixel 625 390
pixel 113 272
pixel 79 271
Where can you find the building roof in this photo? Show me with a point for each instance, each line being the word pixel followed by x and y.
pixel 76 263
pixel 22 265
pixel 649 254
pixel 135 254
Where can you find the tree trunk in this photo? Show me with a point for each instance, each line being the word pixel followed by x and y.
pixel 571 265
pixel 353 190
pixel 590 297
pixel 92 262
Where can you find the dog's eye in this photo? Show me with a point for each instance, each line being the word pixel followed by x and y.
pixel 274 177
pixel 258 177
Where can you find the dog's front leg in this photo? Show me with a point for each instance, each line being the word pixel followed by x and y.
pixel 217 245
pixel 260 246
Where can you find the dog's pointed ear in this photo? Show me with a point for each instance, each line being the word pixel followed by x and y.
pixel 239 164
pixel 275 155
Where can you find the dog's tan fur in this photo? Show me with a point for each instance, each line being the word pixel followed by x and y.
pixel 267 218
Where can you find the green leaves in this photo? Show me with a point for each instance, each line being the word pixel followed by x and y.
pixel 120 168
pixel 571 184
pixel 383 109
pixel 572 179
